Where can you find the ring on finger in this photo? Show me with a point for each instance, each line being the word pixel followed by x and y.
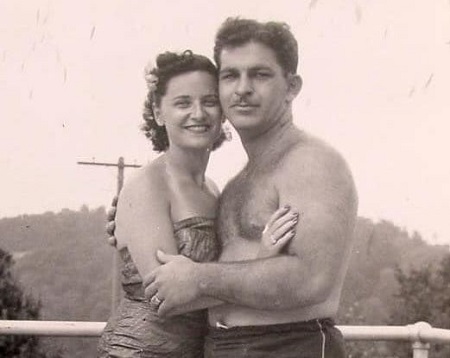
pixel 155 302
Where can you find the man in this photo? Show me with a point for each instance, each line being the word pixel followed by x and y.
pixel 281 306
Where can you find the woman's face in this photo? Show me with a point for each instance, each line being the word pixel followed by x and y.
pixel 191 111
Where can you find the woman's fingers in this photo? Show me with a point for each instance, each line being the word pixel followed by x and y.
pixel 280 228
pixel 283 229
pixel 284 240
pixel 291 214
pixel 277 215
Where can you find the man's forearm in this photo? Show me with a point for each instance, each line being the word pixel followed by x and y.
pixel 271 284
pixel 199 304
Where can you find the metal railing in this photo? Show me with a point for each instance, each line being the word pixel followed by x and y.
pixel 420 334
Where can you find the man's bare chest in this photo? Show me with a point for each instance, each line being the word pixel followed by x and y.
pixel 245 206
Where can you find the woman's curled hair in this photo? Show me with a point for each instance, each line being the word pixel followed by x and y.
pixel 169 65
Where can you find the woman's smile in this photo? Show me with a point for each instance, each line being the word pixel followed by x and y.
pixel 198 128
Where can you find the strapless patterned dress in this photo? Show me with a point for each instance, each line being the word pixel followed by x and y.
pixel 135 330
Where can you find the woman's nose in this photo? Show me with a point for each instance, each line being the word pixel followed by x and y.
pixel 198 112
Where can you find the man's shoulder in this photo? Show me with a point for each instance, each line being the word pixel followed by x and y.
pixel 314 167
pixel 312 152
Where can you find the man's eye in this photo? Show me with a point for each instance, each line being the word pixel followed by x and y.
pixel 263 74
pixel 227 76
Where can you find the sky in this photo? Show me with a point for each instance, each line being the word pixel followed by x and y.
pixel 376 87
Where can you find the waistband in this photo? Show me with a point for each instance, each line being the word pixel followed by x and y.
pixel 304 326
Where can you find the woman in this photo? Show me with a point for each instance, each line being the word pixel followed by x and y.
pixel 171 205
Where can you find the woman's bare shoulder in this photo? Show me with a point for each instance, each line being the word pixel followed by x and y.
pixel 150 178
pixel 145 189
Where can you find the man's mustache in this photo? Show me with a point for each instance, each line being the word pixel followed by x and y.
pixel 243 102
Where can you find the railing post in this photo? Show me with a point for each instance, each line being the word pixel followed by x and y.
pixel 419 347
pixel 420 350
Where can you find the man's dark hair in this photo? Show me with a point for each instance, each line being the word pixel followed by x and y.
pixel 236 32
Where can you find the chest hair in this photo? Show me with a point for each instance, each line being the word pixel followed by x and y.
pixel 246 204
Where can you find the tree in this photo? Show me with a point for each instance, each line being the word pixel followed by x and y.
pixel 16 305
pixel 424 295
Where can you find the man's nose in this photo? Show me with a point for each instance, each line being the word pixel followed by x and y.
pixel 244 86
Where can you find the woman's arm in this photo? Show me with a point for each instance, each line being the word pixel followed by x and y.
pixel 143 221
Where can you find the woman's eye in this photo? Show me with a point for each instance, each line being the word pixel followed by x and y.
pixel 182 104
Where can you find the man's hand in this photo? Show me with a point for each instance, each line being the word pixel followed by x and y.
pixel 174 282
pixel 111 224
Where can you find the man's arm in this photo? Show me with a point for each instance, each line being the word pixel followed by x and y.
pixel 278 231
pixel 318 182
pixel 322 188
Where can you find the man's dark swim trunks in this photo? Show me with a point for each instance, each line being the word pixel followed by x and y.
pixel 312 339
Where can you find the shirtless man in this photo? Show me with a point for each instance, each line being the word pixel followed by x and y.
pixel 281 306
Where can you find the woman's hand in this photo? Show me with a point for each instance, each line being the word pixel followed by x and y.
pixel 279 230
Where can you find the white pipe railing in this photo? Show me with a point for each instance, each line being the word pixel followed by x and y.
pixel 420 334
pixel 52 328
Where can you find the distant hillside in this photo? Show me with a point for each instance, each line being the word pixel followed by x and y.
pixel 380 248
pixel 64 260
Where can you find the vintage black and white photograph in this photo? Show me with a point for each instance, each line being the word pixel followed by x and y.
pixel 224 179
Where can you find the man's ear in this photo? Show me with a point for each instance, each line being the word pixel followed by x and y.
pixel 295 83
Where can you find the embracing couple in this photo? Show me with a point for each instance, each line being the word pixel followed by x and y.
pixel 254 271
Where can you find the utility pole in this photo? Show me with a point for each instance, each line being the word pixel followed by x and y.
pixel 115 295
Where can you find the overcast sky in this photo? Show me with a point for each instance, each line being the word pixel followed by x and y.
pixel 376 86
